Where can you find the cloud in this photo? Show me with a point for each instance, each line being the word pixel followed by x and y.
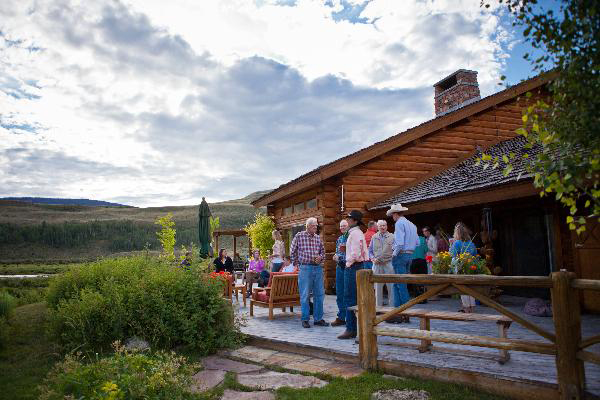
pixel 135 102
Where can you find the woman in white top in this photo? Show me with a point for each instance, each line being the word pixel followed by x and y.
pixel 278 251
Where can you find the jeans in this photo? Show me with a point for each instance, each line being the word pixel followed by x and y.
pixel 339 290
pixel 276 267
pixel 350 294
pixel 367 264
pixel 310 279
pixel 401 264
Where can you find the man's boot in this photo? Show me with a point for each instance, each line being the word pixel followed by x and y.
pixel 347 335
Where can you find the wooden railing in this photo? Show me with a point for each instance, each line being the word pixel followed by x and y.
pixel 566 343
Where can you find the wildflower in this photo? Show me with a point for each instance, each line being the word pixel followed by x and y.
pixel 473 267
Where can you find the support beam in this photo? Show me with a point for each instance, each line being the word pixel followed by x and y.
pixel 567 325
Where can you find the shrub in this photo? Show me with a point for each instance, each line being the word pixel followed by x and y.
pixel 260 232
pixel 123 375
pixel 98 303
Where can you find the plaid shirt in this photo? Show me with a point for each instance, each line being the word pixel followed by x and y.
pixel 341 254
pixel 305 247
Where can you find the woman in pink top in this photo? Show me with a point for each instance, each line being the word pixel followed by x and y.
pixel 256 266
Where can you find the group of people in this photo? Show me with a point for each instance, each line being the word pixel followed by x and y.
pixel 402 252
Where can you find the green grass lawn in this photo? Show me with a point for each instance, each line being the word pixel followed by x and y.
pixel 28 354
pixel 33 269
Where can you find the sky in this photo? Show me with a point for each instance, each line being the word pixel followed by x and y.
pixel 154 103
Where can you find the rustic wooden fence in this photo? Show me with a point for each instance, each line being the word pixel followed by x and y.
pixel 566 343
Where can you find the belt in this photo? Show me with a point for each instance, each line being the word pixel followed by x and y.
pixel 405 252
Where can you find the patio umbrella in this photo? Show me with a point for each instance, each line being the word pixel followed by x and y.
pixel 204 238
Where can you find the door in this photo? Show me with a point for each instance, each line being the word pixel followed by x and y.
pixel 587 253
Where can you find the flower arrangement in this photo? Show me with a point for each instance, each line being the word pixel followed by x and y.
pixel 467 264
pixel 224 275
pixel 443 263
pixel 464 264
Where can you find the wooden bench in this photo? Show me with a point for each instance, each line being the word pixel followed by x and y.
pixel 426 316
pixel 282 291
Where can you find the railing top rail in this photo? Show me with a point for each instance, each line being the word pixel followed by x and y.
pixel 586 284
pixel 524 281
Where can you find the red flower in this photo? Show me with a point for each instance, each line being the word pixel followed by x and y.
pixel 429 258
pixel 473 267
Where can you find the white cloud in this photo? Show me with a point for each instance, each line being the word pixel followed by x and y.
pixel 158 102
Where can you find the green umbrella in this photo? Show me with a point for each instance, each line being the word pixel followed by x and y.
pixel 204 238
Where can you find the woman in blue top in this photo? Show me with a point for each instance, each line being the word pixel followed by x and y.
pixel 463 244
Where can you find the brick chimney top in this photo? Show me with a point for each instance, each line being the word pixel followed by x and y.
pixel 455 91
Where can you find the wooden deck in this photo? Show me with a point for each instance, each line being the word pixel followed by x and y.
pixel 285 329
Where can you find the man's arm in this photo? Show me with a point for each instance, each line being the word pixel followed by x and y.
pixel 371 253
pixel 398 238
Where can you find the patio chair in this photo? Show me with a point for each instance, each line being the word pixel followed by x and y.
pixel 282 291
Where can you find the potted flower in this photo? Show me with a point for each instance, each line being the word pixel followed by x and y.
pixel 463 264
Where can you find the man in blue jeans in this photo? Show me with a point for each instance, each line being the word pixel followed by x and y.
pixel 406 240
pixel 340 259
pixel 307 253
pixel 356 254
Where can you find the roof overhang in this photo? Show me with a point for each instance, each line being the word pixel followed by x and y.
pixel 336 167
pixel 524 188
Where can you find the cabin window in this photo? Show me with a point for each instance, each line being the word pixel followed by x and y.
pixel 298 207
pixel 311 203
pixel 287 210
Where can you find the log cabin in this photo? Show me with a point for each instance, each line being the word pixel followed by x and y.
pixel 431 169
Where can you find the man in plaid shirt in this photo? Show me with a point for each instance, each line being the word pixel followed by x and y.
pixel 307 253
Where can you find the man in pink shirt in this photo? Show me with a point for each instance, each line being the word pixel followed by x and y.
pixel 356 254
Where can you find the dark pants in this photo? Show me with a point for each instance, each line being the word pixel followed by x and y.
pixel 339 290
pixel 418 266
pixel 263 280
pixel 276 267
pixel 350 294
pixel 368 264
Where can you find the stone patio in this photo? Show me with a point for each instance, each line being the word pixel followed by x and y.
pixel 285 329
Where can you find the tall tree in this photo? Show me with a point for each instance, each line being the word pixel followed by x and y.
pixel 567 125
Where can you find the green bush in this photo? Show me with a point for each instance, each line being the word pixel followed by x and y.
pixel 123 375
pixel 7 305
pixel 114 299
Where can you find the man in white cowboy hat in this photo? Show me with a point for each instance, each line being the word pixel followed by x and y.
pixel 406 240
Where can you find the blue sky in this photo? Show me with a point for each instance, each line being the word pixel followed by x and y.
pixel 160 103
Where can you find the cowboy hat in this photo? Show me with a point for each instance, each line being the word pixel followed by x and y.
pixel 396 208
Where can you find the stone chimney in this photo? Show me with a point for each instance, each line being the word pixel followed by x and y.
pixel 455 91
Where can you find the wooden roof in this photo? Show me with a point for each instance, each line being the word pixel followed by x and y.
pixel 468 176
pixel 338 166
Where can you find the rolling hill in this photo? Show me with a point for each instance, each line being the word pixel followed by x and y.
pixel 69 232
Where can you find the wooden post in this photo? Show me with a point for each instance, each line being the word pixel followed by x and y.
pixel 567 325
pixel 234 247
pixel 366 315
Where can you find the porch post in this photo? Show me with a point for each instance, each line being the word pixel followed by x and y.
pixel 367 344
pixel 567 325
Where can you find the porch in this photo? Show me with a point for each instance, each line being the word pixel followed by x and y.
pixel 475 366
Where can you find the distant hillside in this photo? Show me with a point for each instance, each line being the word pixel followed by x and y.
pixel 46 232
pixel 57 201
pixel 248 199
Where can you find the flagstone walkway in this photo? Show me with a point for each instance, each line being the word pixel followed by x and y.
pixel 285 328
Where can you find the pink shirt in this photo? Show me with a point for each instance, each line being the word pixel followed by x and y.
pixel 356 247
pixel 256 265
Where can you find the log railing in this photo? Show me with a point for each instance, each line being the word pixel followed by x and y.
pixel 566 343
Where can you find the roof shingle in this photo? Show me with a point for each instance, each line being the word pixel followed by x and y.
pixel 468 176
